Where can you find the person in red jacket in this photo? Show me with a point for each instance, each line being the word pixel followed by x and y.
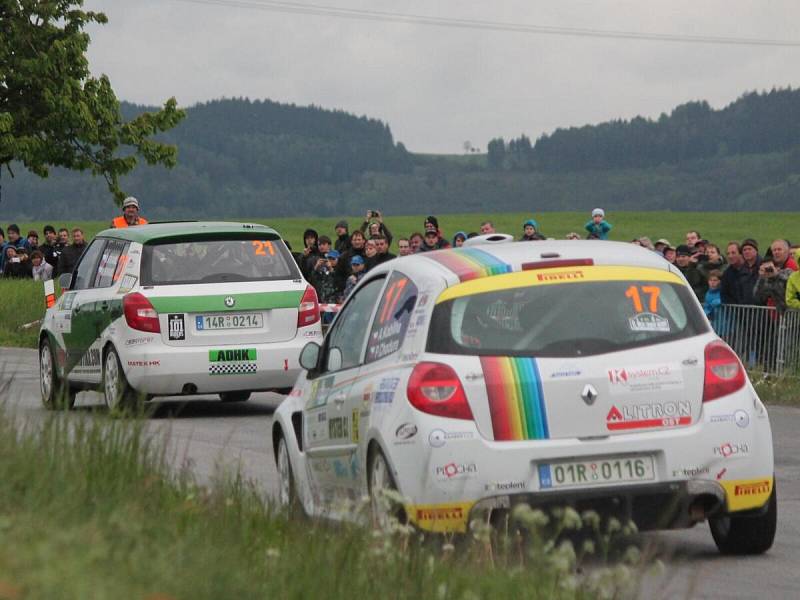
pixel 130 214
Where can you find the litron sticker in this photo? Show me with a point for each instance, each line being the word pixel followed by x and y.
pixel 649 322
pixel 642 416
pixel 177 330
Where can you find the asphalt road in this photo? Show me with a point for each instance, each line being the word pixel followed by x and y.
pixel 205 433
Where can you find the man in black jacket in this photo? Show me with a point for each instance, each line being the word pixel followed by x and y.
pixel 70 255
pixel 342 244
pixel 51 248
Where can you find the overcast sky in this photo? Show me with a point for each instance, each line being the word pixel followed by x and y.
pixel 438 87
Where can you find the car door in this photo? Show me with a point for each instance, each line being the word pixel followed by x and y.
pixel 96 306
pixel 82 357
pixel 381 379
pixel 331 435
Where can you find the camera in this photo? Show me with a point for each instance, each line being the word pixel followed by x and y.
pixel 769 269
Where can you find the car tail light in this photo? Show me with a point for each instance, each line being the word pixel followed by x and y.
pixel 140 314
pixel 308 313
pixel 434 388
pixel 724 371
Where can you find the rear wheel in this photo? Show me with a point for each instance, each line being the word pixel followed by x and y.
pixel 56 393
pixel 385 509
pixel 234 396
pixel 117 392
pixel 746 534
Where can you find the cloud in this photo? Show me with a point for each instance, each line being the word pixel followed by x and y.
pixel 440 86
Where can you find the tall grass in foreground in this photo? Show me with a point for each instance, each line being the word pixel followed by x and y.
pixel 89 509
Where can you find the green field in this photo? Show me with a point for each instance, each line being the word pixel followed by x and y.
pixel 718 227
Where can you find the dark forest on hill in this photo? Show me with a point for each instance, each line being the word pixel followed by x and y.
pixel 240 158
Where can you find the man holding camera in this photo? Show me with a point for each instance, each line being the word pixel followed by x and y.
pixel 774 272
pixel 373 225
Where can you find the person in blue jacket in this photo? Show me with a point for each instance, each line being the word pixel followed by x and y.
pixel 598 227
pixel 713 301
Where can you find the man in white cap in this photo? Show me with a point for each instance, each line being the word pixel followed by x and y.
pixel 130 214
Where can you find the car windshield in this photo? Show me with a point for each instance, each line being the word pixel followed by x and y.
pixel 565 320
pixel 217 261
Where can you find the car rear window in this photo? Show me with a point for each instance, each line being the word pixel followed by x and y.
pixel 217 260
pixel 565 320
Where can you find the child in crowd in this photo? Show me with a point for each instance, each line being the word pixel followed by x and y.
pixel 357 268
pixel 530 231
pixel 713 299
pixel 598 227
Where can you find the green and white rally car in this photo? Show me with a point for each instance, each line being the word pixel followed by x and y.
pixel 178 308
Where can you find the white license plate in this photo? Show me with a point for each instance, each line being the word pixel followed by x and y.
pixel 597 471
pixel 229 321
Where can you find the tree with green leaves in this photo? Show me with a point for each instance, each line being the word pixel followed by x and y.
pixel 53 113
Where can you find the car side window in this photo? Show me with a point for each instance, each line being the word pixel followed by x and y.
pixel 87 268
pixel 349 330
pixel 112 263
pixel 392 317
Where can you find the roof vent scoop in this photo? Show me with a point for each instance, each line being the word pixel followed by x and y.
pixel 490 238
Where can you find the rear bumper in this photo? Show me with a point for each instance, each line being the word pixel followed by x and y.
pixel 669 505
pixel 156 369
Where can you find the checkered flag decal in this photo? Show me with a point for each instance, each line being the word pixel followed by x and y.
pixel 231 369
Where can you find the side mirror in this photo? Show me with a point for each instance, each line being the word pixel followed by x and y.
pixel 309 356
pixel 334 359
pixel 64 281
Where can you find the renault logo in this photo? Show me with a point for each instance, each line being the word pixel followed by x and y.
pixel 229 301
pixel 589 394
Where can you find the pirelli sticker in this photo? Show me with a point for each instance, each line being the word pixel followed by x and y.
pixel 234 361
pixel 441 518
pixel 745 494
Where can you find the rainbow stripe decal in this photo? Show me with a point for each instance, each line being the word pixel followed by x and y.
pixel 469 263
pixel 516 401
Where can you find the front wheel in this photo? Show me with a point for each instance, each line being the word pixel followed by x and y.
pixel 56 393
pixel 287 493
pixel 117 392
pixel 746 534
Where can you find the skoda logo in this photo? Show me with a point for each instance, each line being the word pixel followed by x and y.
pixel 229 301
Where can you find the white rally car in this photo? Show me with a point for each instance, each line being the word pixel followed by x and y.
pixel 178 308
pixel 580 372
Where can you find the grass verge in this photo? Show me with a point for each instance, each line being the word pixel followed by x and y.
pixel 90 509
pixel 784 390
pixel 23 303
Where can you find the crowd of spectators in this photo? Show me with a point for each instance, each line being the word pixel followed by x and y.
pixel 739 275
pixel 26 258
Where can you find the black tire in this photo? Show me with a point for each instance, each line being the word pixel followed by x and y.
pixel 287 490
pixel 119 396
pixel 379 477
pixel 234 396
pixel 745 534
pixel 56 392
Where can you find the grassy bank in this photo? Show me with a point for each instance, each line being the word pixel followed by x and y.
pixel 719 227
pixel 89 509
pixel 22 302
